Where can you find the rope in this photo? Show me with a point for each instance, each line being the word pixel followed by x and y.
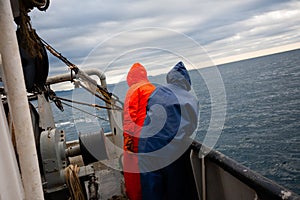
pixel 60 56
pixel 73 183
pixel 29 40
pixel 107 97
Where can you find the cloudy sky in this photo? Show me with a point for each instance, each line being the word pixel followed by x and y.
pixel 111 35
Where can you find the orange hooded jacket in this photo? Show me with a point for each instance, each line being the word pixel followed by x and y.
pixel 135 105
pixel 133 119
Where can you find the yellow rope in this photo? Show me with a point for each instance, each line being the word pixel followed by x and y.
pixel 73 182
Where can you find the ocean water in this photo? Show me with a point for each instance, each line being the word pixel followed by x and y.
pixel 262 122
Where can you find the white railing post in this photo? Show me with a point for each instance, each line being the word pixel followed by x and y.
pixel 18 104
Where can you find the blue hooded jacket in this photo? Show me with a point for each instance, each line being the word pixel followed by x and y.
pixel 172 116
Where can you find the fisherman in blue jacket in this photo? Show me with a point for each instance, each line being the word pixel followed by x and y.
pixel 171 118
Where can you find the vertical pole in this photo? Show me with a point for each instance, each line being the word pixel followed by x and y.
pixel 18 104
pixel 203 178
pixel 11 185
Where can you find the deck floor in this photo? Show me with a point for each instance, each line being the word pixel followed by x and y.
pixel 111 182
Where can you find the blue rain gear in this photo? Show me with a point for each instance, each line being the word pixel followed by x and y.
pixel 172 115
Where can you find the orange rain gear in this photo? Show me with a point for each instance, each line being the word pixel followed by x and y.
pixel 134 114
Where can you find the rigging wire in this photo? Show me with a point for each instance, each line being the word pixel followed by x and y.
pixel 83 103
pixel 107 96
pixel 59 102
pixel 76 108
pixel 60 56
pixel 73 67
pixel 114 105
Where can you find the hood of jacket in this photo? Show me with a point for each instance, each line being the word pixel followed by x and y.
pixel 136 74
pixel 179 76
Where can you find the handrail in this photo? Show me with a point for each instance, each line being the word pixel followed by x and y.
pixel 264 187
pixel 69 76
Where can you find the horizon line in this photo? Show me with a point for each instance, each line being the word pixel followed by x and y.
pixel 256 54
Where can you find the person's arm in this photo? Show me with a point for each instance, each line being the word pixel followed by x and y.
pixel 130 118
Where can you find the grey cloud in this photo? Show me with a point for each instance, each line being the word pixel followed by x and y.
pixel 218 38
pixel 76 29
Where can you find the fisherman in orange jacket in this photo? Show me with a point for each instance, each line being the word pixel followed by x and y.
pixel 134 114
